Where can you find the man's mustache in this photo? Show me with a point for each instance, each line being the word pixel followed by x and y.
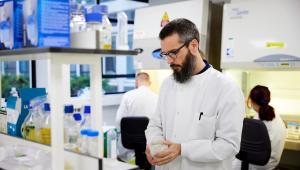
pixel 175 65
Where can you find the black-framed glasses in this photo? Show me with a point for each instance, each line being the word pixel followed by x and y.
pixel 164 55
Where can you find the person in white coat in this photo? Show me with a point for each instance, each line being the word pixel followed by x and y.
pixel 259 99
pixel 140 101
pixel 135 103
pixel 200 111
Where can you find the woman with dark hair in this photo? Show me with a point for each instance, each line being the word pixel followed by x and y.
pixel 259 99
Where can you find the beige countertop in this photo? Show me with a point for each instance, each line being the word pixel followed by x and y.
pixel 292 144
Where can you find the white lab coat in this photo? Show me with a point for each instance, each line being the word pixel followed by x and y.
pixel 277 133
pixel 211 142
pixel 138 102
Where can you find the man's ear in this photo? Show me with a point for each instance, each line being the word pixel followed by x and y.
pixel 193 46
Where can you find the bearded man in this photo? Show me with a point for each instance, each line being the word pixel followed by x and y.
pixel 200 111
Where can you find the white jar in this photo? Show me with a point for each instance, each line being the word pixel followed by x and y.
pixel 93 148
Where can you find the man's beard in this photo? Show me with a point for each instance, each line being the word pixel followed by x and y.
pixel 187 68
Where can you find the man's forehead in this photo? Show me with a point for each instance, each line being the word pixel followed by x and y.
pixel 170 42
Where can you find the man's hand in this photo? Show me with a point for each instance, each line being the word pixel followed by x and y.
pixel 167 155
pixel 149 157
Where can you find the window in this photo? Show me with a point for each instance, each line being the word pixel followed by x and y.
pixel 14 74
pixel 118 73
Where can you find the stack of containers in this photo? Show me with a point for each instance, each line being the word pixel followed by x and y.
pixel 47 23
pixel 11 24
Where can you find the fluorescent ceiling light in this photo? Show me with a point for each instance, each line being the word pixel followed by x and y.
pixel 123 5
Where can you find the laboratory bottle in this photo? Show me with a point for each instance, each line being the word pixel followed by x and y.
pixel 77 23
pixel 92 136
pixel 87 117
pixel 29 128
pixel 14 92
pixel 93 23
pixel 83 141
pixel 106 33
pixel 112 143
pixel 45 131
pixel 78 120
pixel 70 135
pixel 122 31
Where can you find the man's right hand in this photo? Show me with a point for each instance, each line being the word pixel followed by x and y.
pixel 149 157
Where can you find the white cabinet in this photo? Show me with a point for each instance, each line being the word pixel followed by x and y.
pixel 256 35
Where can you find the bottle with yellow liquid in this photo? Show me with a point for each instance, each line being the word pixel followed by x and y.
pixel 45 130
pixel 29 126
pixel 30 131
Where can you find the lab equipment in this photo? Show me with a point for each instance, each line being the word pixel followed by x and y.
pixel 78 22
pixel 47 23
pixel 122 31
pixel 45 131
pixel 112 143
pixel 87 117
pixel 93 148
pixel 83 141
pixel 70 133
pixel 106 33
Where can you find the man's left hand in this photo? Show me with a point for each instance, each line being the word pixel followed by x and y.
pixel 167 155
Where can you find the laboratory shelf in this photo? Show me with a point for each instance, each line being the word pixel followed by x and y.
pixel 86 161
pixel 57 75
pixel 35 53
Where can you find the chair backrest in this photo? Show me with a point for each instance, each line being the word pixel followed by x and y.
pixel 133 132
pixel 255 143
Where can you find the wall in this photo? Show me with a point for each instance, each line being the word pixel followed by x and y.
pixel 109 115
pixel 146 35
pixel 284 87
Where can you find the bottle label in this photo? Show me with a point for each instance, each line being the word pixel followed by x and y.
pixel 105 39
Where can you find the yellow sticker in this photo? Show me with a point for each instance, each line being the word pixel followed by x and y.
pixel 275 44
pixel 165 20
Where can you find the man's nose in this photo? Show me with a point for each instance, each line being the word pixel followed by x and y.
pixel 170 60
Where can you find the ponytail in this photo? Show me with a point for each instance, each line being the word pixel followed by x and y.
pixel 266 112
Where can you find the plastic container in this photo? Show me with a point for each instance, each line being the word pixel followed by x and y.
pixel 29 129
pixel 87 117
pixel 45 131
pixel 93 22
pixel 106 33
pixel 83 142
pixel 14 92
pixel 122 34
pixel 70 135
pixel 112 143
pixel 93 142
pixel 78 22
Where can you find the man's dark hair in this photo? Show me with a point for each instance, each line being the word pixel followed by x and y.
pixel 186 30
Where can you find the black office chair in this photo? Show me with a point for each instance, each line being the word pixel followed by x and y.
pixel 255 144
pixel 133 137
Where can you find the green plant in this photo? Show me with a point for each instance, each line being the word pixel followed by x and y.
pixel 78 83
pixel 9 81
